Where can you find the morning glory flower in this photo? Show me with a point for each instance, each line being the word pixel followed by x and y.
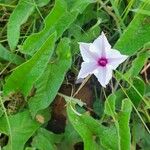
pixel 99 59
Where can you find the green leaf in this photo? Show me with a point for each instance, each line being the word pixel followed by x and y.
pixel 88 128
pixel 110 105
pixel 17 18
pixel 136 88
pixel 141 135
pixel 120 95
pixel 49 83
pixel 142 11
pixel 98 107
pixel 132 93
pixel 82 128
pixel 22 128
pixel 41 3
pixel 121 120
pixel 70 138
pixel 45 140
pixel 137 65
pixel 136 34
pixel 24 76
pixel 1 112
pixel 9 56
pixel 59 19
pixel 84 37
pixel 123 125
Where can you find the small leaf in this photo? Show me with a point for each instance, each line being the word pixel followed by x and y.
pixel 17 18
pixel 30 71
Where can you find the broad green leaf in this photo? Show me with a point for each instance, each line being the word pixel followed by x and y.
pixel 137 65
pixel 123 125
pixel 59 19
pixel 9 56
pixel 49 83
pixel 88 128
pixel 132 93
pixel 17 18
pixel 136 34
pixel 22 127
pixel 45 140
pixel 24 76
pixel 110 105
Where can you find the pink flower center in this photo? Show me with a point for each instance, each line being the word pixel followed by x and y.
pixel 102 62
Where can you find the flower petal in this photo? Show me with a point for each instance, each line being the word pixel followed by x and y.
pixel 86 69
pixel 115 58
pixel 102 45
pixel 87 55
pixel 103 74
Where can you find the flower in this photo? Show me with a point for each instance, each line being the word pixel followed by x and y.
pixel 99 59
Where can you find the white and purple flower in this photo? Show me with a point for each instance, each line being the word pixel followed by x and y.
pixel 99 59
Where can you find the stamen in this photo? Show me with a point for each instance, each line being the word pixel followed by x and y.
pixel 102 62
